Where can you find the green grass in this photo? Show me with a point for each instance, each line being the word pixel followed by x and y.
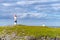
pixel 30 30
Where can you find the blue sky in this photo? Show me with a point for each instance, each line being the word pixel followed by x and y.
pixel 30 12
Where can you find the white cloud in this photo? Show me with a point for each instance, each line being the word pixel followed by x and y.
pixel 39 7
pixel 46 0
pixel 31 15
pixel 38 15
pixel 30 2
pixel 21 15
pixel 42 0
pixel 6 4
pixel 55 6
pixel 54 0
pixel 25 2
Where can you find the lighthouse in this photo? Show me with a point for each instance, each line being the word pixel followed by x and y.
pixel 15 19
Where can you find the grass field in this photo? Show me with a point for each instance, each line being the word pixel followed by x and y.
pixel 22 30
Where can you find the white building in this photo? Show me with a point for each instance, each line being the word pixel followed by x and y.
pixel 43 25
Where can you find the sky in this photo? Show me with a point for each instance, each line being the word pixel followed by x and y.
pixel 30 12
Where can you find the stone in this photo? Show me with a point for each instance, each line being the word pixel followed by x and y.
pixel 29 38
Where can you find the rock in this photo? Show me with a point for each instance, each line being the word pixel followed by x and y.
pixel 41 38
pixel 8 37
pixel 29 38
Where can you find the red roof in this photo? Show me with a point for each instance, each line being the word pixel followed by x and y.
pixel 15 15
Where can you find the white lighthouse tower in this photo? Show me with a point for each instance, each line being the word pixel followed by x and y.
pixel 15 19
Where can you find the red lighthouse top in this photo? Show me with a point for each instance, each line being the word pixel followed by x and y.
pixel 15 15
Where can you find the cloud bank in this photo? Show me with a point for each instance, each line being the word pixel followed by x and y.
pixel 31 8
